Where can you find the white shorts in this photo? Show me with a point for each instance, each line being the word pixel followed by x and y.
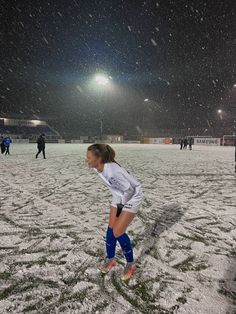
pixel 131 210
pixel 116 200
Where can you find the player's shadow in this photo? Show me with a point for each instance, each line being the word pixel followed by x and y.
pixel 228 286
pixel 159 222
pixel 166 217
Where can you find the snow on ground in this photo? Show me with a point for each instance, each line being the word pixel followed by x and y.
pixel 54 215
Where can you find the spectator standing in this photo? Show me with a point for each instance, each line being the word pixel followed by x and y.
pixel 41 145
pixel 7 142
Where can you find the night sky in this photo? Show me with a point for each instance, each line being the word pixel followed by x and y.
pixel 181 55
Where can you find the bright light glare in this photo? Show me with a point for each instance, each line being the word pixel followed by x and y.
pixel 36 122
pixel 219 111
pixel 146 99
pixel 101 79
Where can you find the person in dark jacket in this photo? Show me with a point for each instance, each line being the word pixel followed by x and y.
pixel 2 144
pixel 181 144
pixel 7 142
pixel 190 143
pixel 185 143
pixel 41 145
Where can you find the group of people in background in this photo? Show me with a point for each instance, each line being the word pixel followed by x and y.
pixel 186 142
pixel 5 143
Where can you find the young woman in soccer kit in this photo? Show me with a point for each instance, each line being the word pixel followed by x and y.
pixel 126 200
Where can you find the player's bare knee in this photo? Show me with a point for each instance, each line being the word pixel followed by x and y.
pixel 117 232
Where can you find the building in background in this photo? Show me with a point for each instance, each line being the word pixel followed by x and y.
pixel 113 138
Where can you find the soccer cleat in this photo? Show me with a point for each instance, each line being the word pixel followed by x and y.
pixel 108 265
pixel 128 271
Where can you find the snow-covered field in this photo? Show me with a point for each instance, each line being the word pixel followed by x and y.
pixel 54 215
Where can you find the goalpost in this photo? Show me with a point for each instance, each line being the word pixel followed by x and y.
pixel 230 140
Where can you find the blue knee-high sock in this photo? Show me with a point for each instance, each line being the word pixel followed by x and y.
pixel 110 243
pixel 126 246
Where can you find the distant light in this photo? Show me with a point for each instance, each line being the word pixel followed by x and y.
pixel 102 79
pixel 146 99
pixel 234 85
pixel 219 111
pixel 36 122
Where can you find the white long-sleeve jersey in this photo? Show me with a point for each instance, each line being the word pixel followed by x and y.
pixel 124 188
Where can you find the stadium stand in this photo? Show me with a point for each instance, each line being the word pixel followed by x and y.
pixel 26 129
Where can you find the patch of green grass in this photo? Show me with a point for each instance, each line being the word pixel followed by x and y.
pixel 74 235
pixel 224 229
pixel 212 223
pixel 5 275
pixel 147 203
pixel 194 237
pixel 60 227
pixel 40 261
pixel 28 297
pixel 142 291
pixel 182 300
pixel 25 285
pixel 54 236
pixel 8 247
pixel 142 301
pixel 56 262
pixel 8 220
pixel 27 251
pixel 228 293
pixel 185 265
pixel 80 296
pixel 200 266
pixel 33 231
pixel 100 307
pixel 71 281
pixel 91 253
pixel 15 288
pixel 30 308
pixel 197 218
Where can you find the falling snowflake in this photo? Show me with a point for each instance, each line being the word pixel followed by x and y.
pixel 153 42
pixel 45 39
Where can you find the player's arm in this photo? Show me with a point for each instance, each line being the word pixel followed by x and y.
pixel 123 183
